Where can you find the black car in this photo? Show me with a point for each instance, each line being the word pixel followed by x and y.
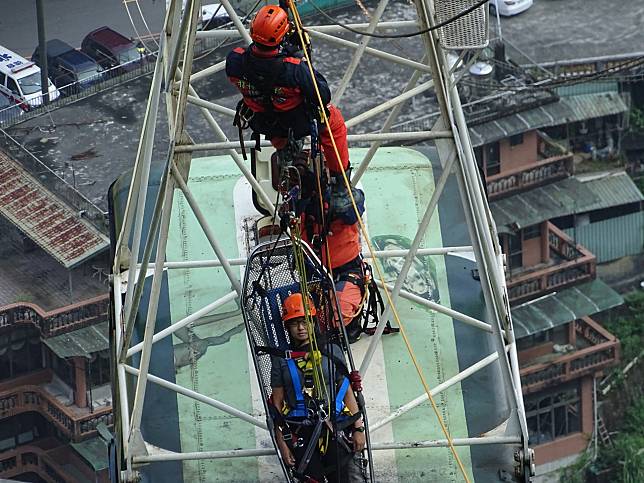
pixel 9 111
pixel 111 49
pixel 71 70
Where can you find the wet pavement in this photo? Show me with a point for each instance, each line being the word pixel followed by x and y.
pixel 558 30
pixel 71 20
pixel 103 130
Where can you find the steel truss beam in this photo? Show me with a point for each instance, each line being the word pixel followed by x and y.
pixel 173 75
pixel 165 455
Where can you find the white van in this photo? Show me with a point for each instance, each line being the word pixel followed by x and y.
pixel 20 80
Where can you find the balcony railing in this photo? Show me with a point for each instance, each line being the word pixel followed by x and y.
pixel 600 350
pixel 76 423
pixel 32 458
pixel 578 266
pixel 58 321
pixel 541 172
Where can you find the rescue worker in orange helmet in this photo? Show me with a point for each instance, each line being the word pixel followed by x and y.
pixel 279 90
pixel 289 396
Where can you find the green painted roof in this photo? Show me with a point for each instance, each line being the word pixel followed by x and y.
pixel 94 451
pixel 612 189
pixel 550 201
pixel 82 342
pixel 566 110
pixel 564 306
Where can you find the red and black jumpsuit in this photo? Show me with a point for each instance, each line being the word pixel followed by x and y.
pixel 280 91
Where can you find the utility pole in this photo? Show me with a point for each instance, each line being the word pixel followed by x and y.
pixel 42 51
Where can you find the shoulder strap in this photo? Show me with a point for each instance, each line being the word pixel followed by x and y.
pixel 300 408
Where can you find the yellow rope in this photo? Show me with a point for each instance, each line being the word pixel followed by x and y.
pixel 298 26
pixel 314 354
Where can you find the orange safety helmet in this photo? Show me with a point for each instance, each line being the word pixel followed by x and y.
pixel 269 26
pixel 293 307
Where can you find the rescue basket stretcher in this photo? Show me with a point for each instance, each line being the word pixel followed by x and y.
pixel 270 277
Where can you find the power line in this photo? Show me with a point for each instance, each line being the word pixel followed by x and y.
pixel 559 82
pixel 399 36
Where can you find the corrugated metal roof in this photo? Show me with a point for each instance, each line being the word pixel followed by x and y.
pixel 44 218
pixel 612 188
pixel 550 201
pixel 561 307
pixel 81 342
pixel 611 238
pixel 566 110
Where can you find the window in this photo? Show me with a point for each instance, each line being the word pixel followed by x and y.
pixel 515 252
pixel 99 368
pixel 3 79
pixel 516 139
pixel 492 159
pixel 553 415
pixel 12 86
pixel 20 352
pixel 531 232
pixel 62 368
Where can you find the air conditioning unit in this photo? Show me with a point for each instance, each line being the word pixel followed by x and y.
pixel 467 32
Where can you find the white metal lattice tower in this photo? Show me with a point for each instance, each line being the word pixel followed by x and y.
pixel 140 249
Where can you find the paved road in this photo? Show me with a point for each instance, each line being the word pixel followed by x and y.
pixel 71 20
pixel 556 30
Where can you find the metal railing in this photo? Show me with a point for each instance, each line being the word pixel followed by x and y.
pixel 78 90
pixel 102 81
pixel 538 173
pixel 32 458
pixel 57 321
pixel 579 266
pixel 54 183
pixel 36 398
pixel 602 352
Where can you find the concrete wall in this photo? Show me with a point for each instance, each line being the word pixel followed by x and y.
pixel 521 155
pixel 532 252
pixel 572 444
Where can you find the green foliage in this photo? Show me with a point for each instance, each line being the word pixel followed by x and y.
pixel 640 183
pixel 625 457
pixel 637 119
pixel 576 473
pixel 629 328
pixel 623 460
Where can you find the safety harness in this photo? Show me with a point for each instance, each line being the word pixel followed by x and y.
pixel 310 424
pixel 262 74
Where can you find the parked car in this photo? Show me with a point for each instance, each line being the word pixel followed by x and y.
pixel 111 49
pixel 70 69
pixel 20 80
pixel 212 16
pixel 508 8
pixel 9 110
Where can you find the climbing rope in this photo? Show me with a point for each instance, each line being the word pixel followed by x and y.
pixel 325 119
pixel 314 354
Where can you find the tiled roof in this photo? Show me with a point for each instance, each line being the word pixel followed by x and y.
pixel 45 218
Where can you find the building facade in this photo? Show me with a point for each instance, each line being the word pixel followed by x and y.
pixel 54 345
pixel 551 277
pixel 54 390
